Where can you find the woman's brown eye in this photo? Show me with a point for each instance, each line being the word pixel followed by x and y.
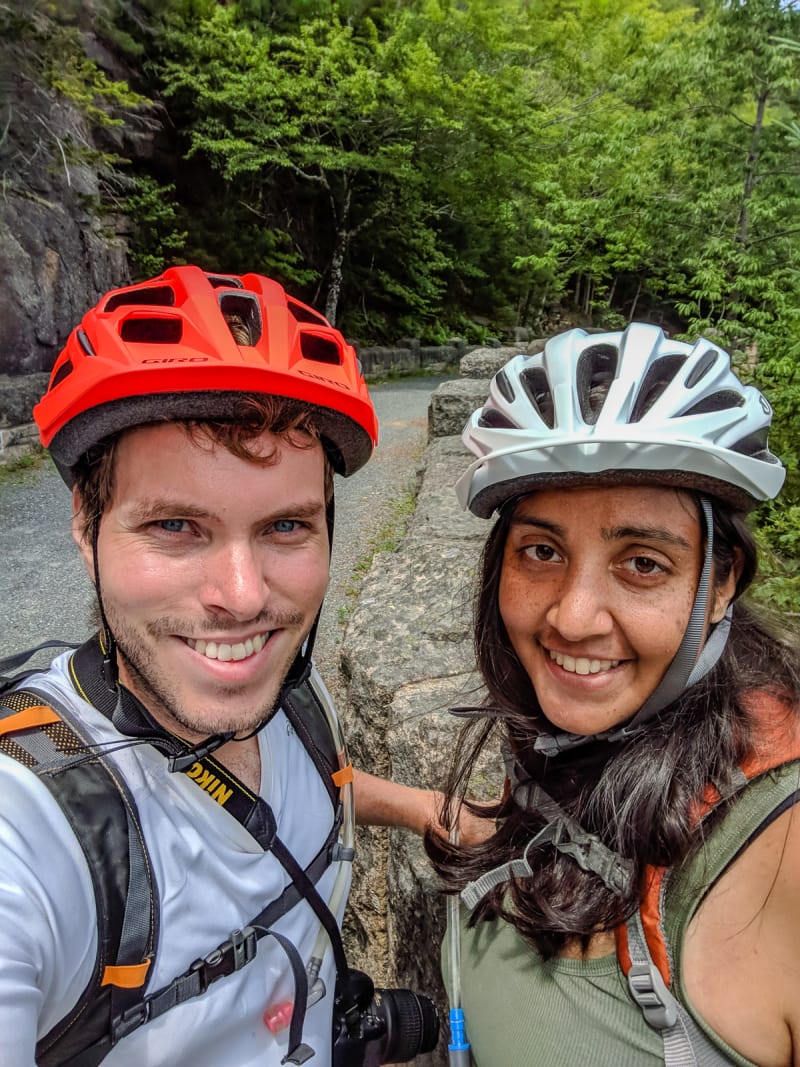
pixel 543 553
pixel 645 565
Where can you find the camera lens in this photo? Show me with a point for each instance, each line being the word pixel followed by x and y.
pixel 411 1021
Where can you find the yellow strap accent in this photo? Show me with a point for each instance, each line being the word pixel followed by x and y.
pixel 343 776
pixel 130 977
pixel 38 715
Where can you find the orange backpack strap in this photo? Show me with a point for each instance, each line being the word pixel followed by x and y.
pixel 642 947
pixel 41 734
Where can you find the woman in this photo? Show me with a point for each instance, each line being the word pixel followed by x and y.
pixel 630 689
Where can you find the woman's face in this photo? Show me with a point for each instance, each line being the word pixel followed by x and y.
pixel 596 589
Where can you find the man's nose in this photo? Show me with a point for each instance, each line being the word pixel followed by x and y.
pixel 235 580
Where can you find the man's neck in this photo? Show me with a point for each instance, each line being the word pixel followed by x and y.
pixel 242 759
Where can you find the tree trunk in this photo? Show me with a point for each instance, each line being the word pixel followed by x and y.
pixel 751 167
pixel 337 260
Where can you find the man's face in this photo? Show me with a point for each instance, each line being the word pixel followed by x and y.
pixel 212 570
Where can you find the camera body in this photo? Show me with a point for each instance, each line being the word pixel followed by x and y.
pixel 375 1026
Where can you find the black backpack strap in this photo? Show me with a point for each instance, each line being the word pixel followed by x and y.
pixel 304 711
pixel 16 660
pixel 102 815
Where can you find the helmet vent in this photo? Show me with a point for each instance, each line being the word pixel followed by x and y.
pixel 537 389
pixel 596 370
pixel 158 296
pixel 505 386
pixel 491 418
pixel 59 375
pixel 152 331
pixel 243 317
pixel 306 314
pixel 720 401
pixel 223 281
pixel 755 445
pixel 85 344
pixel 701 368
pixel 658 378
pixel 319 349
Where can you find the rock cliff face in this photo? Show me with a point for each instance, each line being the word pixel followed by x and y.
pixel 56 255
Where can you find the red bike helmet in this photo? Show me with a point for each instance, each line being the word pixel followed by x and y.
pixel 165 349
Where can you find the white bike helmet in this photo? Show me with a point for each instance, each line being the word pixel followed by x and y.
pixel 620 408
pixel 630 406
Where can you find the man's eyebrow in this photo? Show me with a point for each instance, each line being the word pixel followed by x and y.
pixel 163 507
pixel 644 533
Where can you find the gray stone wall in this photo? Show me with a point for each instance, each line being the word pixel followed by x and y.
pixel 407 659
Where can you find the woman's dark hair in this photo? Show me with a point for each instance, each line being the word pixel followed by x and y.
pixel 636 796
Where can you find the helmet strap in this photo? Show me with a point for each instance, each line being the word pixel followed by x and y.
pixel 110 666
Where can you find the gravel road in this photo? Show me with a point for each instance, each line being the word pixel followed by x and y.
pixel 44 590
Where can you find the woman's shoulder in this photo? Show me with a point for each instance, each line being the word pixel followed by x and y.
pixel 739 955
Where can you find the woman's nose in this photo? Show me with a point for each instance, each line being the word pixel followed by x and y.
pixel 580 607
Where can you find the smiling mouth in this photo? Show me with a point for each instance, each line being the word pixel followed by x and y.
pixel 224 652
pixel 582 665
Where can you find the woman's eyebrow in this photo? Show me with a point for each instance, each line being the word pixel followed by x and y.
pixel 538 524
pixel 644 533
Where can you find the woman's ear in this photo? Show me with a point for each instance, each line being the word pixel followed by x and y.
pixel 726 590
pixel 79 534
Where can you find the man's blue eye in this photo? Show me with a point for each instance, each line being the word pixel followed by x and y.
pixel 172 525
pixel 285 526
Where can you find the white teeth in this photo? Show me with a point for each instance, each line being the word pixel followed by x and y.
pixel 581 665
pixel 224 652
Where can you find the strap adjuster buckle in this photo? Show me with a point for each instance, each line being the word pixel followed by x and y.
pixel 233 954
pixel 649 990
pixel 129 1020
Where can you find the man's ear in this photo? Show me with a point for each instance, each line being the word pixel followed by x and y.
pixel 725 591
pixel 78 534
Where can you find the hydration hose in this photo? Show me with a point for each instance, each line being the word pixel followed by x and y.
pixel 458 1046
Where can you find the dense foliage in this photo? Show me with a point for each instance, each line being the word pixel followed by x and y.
pixel 467 166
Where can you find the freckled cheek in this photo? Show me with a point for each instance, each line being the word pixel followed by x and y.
pixel 659 630
pixel 518 603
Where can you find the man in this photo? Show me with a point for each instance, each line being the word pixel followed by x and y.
pixel 199 420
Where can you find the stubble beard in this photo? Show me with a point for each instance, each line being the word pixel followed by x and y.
pixel 161 696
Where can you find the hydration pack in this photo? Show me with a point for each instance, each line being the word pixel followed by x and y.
pixel 645 944
pixel 47 738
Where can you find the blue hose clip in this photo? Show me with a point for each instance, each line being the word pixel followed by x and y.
pixel 458 1048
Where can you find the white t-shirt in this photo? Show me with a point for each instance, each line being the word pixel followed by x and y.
pixel 212 878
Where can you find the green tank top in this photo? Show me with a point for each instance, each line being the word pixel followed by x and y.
pixel 523 1012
